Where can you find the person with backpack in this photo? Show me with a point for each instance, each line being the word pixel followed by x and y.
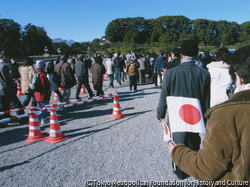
pixel 66 73
pixel 26 71
pixel 50 75
pixel 42 94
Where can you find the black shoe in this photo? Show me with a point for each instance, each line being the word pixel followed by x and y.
pixel 77 98
pixel 92 95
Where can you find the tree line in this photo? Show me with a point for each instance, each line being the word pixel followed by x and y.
pixel 173 30
pixel 126 34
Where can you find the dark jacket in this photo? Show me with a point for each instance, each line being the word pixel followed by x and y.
pixel 186 80
pixel 44 89
pixel 119 63
pixel 68 79
pixel 14 72
pixel 160 65
pixel 80 69
pixel 98 70
pixel 175 62
pixel 7 85
pixel 226 148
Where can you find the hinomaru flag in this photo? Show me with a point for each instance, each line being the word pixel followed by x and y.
pixel 167 133
pixel 185 115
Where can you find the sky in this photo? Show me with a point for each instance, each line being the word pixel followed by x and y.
pixel 86 20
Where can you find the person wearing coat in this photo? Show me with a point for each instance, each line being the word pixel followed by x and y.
pixel 43 95
pixel 50 75
pixel 132 70
pixel 225 155
pixel 14 72
pixel 68 79
pixel 191 83
pixel 98 70
pixel 159 67
pixel 26 70
pixel 142 69
pixel 221 80
pixel 82 77
pixel 8 90
pixel 110 69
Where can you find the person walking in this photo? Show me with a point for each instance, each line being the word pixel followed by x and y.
pixel 221 80
pixel 8 90
pixel 110 69
pixel 68 79
pixel 119 64
pixel 98 70
pixel 132 70
pixel 42 95
pixel 50 75
pixel 141 69
pixel 82 77
pixel 225 154
pixel 190 82
pixel 175 59
pixel 159 67
pixel 26 71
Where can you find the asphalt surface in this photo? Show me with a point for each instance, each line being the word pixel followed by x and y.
pixel 100 151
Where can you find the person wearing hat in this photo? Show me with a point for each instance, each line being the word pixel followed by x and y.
pixel 43 95
pixel 82 77
pixel 189 81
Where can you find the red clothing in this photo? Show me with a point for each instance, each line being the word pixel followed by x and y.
pixel 44 93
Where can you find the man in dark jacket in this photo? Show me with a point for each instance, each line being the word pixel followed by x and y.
pixel 175 54
pixel 159 67
pixel 188 81
pixel 68 79
pixel 119 64
pixel 8 90
pixel 82 77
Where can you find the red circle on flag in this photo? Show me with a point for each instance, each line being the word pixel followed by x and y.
pixel 190 114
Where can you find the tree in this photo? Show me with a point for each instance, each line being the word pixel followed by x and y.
pixel 10 36
pixel 35 39
pixel 244 35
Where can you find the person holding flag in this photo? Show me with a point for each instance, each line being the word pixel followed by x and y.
pixel 186 95
pixel 226 150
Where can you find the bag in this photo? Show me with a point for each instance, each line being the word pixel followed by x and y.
pixel 57 76
pixel 34 83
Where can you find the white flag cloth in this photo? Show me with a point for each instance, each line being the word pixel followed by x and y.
pixel 185 115
pixel 167 134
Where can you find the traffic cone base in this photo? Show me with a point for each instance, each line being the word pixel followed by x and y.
pixel 83 91
pixel 116 116
pixel 55 134
pixel 34 128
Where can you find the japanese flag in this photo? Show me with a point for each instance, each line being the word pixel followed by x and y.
pixel 167 134
pixel 185 115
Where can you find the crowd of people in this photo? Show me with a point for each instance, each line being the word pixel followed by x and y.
pixel 220 83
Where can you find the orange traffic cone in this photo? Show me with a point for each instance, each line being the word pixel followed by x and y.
pixel 19 88
pixel 55 97
pixel 34 128
pixel 116 108
pixel 55 134
pixel 106 75
pixel 60 89
pixel 83 91
pixel 92 86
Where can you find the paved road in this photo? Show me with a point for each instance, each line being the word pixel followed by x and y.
pixel 99 149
